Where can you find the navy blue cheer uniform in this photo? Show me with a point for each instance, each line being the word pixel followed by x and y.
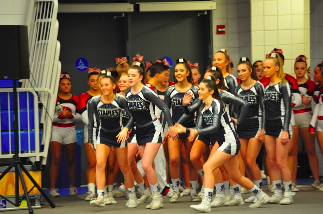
pixel 174 101
pixel 231 83
pixel 251 125
pixel 142 107
pixel 105 120
pixel 277 109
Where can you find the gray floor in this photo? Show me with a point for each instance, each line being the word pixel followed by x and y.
pixel 307 201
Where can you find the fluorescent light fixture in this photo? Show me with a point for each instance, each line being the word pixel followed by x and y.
pixel 176 6
pixel 95 8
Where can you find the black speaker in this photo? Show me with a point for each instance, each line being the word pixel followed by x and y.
pixel 14 53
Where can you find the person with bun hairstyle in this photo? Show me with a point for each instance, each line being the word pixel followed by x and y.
pixel 277 129
pixel 252 92
pixel 196 75
pixel 303 115
pixel 64 134
pixel 106 131
pixel 212 118
pixel 141 102
pixel 93 82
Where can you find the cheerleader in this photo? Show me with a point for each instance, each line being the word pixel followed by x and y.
pixel 303 115
pixel 196 75
pixel 106 130
pixel 277 128
pixel 259 71
pixel 251 91
pixel 141 102
pixel 174 100
pixel 212 117
pixel 93 82
pixel 63 134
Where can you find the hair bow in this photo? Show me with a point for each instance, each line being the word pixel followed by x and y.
pixel 209 77
pixel 148 65
pixel 267 55
pixel 91 70
pixel 302 58
pixel 122 61
pixel 193 65
pixel 138 58
pixel 277 51
pixel 65 76
pixel 164 61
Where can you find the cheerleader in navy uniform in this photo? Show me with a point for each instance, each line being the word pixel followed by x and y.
pixel 106 130
pixel 63 134
pixel 213 118
pixel 303 115
pixel 93 81
pixel 174 100
pixel 141 102
pixel 277 128
pixel 251 91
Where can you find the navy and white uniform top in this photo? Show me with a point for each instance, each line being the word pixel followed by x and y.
pixel 253 96
pixel 142 107
pixel 277 104
pixel 231 83
pixel 71 106
pixel 106 118
pixel 174 101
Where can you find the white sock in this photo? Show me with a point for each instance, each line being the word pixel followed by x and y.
pixel 142 186
pixel 101 193
pixel 258 183
pixel 219 189
pixel 110 188
pixel 208 193
pixel 131 190
pixel 278 185
pixel 201 173
pixel 154 188
pixel 288 186
pixel 236 190
pixel 91 187
pixel 106 190
pixel 175 183
pixel 193 187
pixel 255 190
pixel 226 189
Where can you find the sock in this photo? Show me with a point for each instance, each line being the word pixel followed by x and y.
pixel 175 183
pixel 278 185
pixel 193 187
pixel 101 193
pixel 236 189
pixel 142 186
pixel 288 186
pixel 208 193
pixel 155 188
pixel 258 183
pixel 131 190
pixel 226 189
pixel 110 188
pixel 219 190
pixel 255 190
pixel 91 187
pixel 106 190
pixel 201 173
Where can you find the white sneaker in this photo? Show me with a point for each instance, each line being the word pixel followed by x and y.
pixel 204 206
pixel 252 198
pixel 294 188
pixel 236 200
pixel 90 195
pixel 170 193
pixel 262 198
pixel 98 202
pixel 276 197
pixel 132 201
pixel 263 175
pixel 316 184
pixel 124 190
pixel 73 190
pixel 195 198
pixel 218 201
pixel 157 201
pixel 186 191
pixel 110 198
pixel 271 188
pixel 118 194
pixel 53 193
pixel 288 198
pixel 243 190
pixel 201 193
pixel 175 197
pixel 181 188
pixel 145 196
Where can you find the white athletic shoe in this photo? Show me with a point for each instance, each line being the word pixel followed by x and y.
pixel 186 191
pixel 53 193
pixel 170 193
pixel 124 190
pixel 204 206
pixel 97 202
pixel 263 175
pixel 145 196
pixel 252 198
pixel 175 197
pixel 243 190
pixel 89 196
pixel 316 184
pixel 195 198
pixel 111 199
pixel 157 201
pixel 181 188
pixel 132 201
pixel 218 201
pixel 73 190
pixel 236 200
pixel 276 197
pixel 261 198
pixel 201 193
pixel 107 199
pixel 294 188
pixel 288 198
